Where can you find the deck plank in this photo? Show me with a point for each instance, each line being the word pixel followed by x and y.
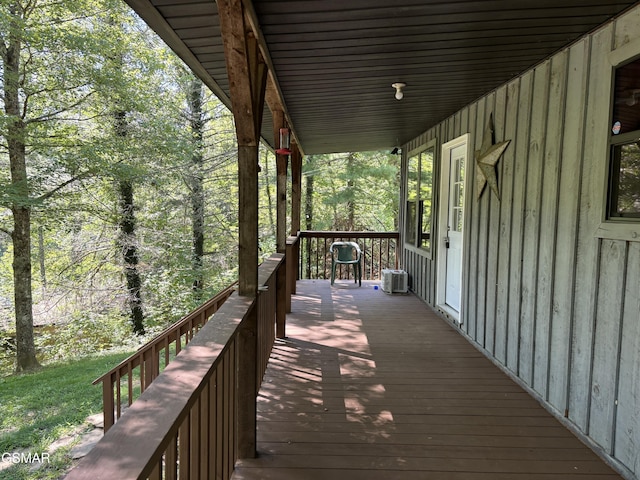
pixel 375 386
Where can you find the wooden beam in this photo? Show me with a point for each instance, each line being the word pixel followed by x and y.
pixel 258 77
pixel 272 97
pixel 247 74
pixel 296 188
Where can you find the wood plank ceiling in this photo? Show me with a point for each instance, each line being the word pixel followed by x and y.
pixel 335 60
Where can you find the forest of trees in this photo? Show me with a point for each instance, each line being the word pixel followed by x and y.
pixel 118 204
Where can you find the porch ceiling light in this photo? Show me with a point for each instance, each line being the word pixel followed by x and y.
pixel 399 86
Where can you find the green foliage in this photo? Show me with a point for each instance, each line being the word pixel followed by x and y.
pixel 360 191
pixel 38 408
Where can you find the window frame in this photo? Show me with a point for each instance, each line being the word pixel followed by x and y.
pixel 614 227
pixel 414 209
pixel 613 186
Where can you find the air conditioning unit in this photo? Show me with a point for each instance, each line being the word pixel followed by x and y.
pixel 395 281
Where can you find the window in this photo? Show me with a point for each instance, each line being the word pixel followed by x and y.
pixel 623 198
pixel 413 170
pixel 419 197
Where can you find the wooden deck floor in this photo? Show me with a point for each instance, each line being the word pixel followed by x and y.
pixel 370 386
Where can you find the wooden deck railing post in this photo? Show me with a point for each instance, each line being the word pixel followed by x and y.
pixel 283 298
pixel 107 401
pixel 247 387
pixel 290 269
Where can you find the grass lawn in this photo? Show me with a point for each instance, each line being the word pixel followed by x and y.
pixel 38 408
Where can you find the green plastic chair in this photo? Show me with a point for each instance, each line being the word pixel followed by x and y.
pixel 347 253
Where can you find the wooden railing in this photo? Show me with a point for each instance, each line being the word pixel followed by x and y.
pixel 199 415
pixel 379 251
pixel 124 383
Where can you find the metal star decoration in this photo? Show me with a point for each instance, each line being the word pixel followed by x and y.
pixel 486 159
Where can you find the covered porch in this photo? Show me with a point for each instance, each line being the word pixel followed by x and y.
pixel 372 386
pixel 358 384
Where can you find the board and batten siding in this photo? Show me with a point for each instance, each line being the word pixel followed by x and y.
pixel 544 295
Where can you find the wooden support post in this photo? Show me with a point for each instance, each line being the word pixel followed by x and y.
pixel 107 401
pixel 292 267
pixel 296 190
pixel 247 74
pixel 281 226
pixel 281 300
pixel 248 220
pixel 296 207
pixel 247 361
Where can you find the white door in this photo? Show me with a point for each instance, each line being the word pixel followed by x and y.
pixel 450 226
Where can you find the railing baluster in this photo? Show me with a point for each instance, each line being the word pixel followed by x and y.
pixel 129 383
pixel 118 395
pixel 229 412
pixel 143 386
pixel 156 473
pixel 213 423
pixel 204 432
pixel 167 344
pixel 171 460
pixel 184 445
pixel 231 416
pixel 194 451
pixel 220 401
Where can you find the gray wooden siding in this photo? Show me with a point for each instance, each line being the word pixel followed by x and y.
pixel 543 296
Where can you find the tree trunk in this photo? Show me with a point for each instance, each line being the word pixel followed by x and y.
pixel 272 222
pixel 130 255
pixel 21 235
pixel 195 181
pixel 41 255
pixel 127 241
pixel 351 204
pixel 20 207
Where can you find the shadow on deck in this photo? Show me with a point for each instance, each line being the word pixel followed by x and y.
pixel 370 386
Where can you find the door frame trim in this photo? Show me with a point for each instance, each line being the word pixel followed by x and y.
pixel 443 211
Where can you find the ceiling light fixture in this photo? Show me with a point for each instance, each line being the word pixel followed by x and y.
pixel 399 86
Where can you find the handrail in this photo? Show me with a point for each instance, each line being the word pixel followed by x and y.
pixel 349 234
pixel 147 359
pixel 379 251
pixel 198 416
